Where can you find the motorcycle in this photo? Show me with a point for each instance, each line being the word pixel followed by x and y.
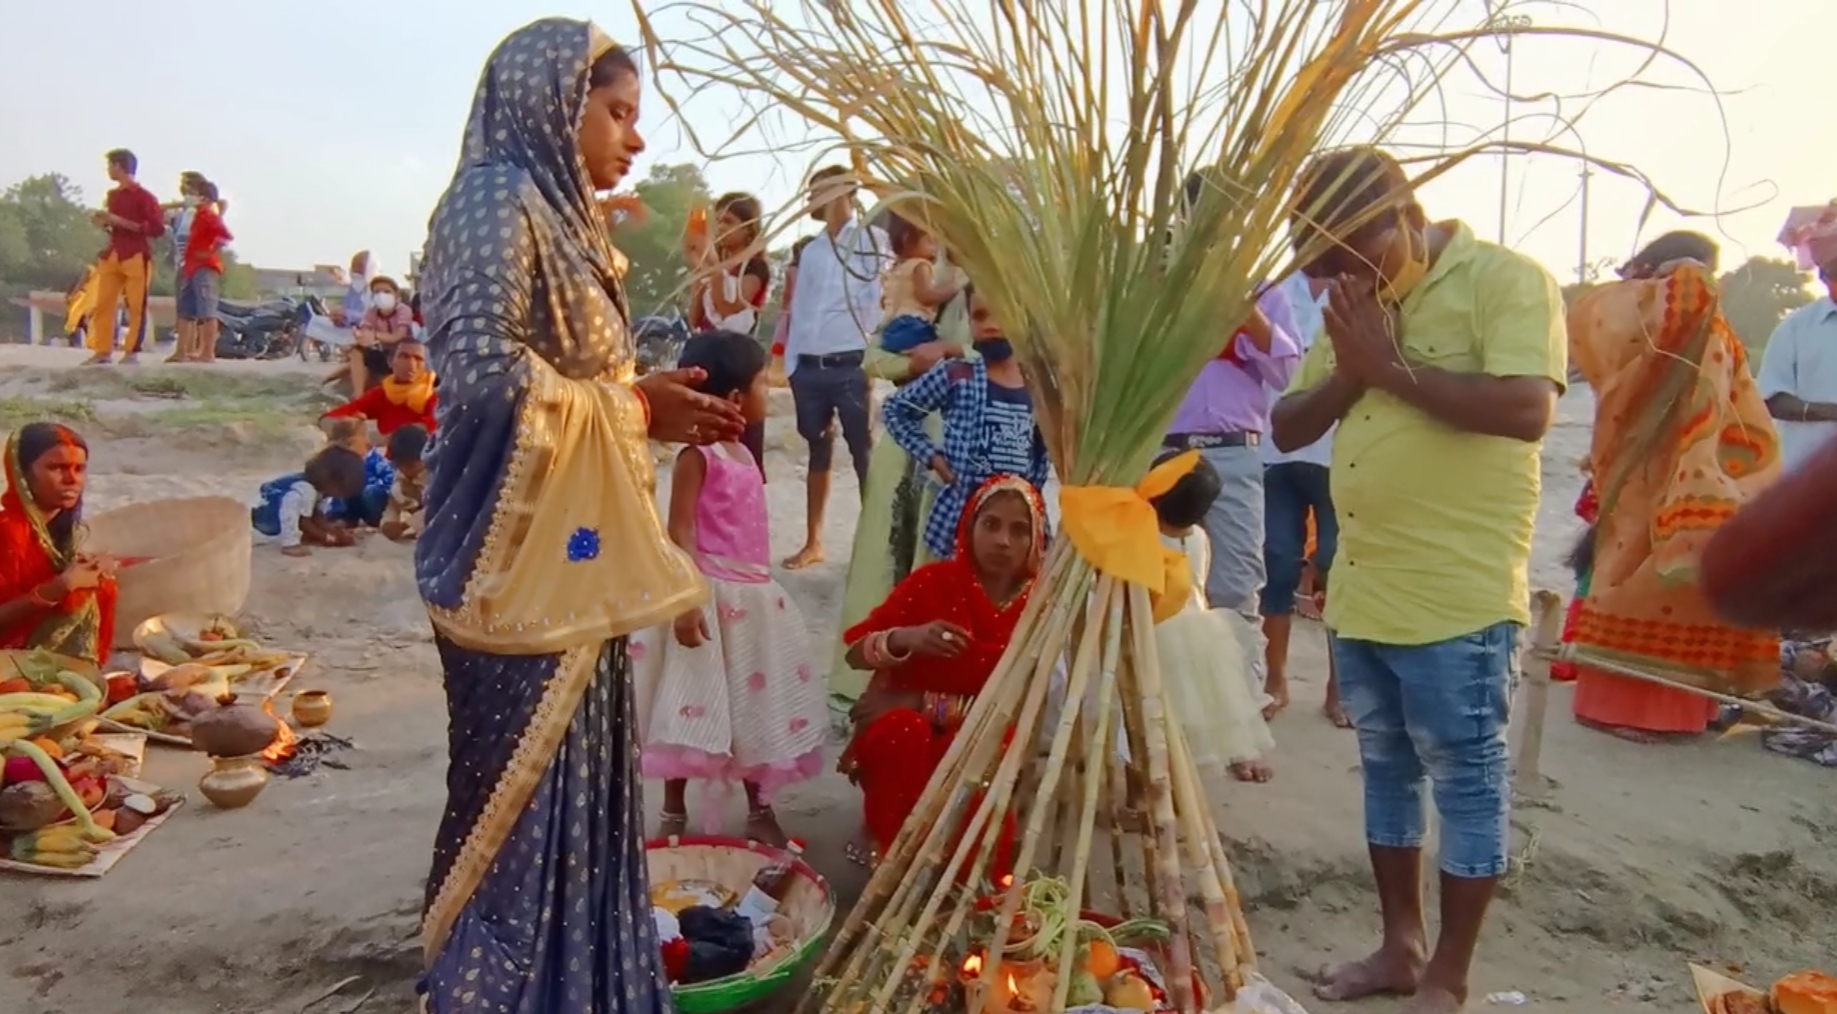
pixel 269 330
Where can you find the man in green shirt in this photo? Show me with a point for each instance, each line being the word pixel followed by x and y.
pixel 1445 358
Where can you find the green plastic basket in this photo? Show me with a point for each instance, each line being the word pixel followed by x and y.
pixel 738 859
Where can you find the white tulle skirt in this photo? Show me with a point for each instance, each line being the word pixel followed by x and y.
pixel 1206 665
pixel 1206 668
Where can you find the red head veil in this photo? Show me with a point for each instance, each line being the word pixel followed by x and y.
pixel 949 590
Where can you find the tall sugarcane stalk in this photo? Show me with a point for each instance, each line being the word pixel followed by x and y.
pixel 1047 149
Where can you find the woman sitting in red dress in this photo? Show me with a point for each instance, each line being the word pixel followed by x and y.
pixel 51 595
pixel 932 645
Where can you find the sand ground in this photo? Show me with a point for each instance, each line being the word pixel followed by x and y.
pixel 1642 857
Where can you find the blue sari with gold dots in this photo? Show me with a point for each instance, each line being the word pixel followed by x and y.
pixel 539 479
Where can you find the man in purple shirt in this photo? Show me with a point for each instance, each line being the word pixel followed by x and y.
pixel 1225 417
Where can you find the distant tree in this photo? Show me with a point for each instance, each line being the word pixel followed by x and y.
pixel 46 238
pixel 1757 296
pixel 657 276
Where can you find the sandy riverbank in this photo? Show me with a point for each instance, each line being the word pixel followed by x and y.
pixel 1644 858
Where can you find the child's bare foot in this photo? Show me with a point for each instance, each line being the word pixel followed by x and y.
pixel 393 530
pixel 811 554
pixel 1336 713
pixel 762 826
pixel 1277 690
pixel 1252 771
pixel 672 825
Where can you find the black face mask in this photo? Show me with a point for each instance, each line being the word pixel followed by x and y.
pixel 995 350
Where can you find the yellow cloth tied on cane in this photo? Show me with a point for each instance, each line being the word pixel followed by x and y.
pixel 1115 528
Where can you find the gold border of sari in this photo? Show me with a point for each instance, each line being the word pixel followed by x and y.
pixel 515 603
pixel 529 761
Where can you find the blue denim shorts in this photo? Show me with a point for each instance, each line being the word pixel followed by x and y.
pixel 198 295
pixel 1435 713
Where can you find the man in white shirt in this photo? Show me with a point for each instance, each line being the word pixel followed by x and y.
pixel 1295 485
pixel 834 308
pixel 1798 373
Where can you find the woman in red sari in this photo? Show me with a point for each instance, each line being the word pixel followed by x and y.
pixel 932 645
pixel 51 595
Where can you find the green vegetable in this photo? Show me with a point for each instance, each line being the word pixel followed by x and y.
pixel 1085 989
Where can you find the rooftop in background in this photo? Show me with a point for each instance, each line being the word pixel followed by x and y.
pixel 322 280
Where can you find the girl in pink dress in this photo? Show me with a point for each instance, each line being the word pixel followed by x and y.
pixel 728 692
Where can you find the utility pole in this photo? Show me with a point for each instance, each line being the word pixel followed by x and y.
pixel 1581 264
pixel 1506 24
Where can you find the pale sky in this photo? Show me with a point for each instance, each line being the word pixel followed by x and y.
pixel 334 124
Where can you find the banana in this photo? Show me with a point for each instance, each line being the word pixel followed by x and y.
pixel 59 860
pixel 54 776
pixel 62 838
pixel 30 701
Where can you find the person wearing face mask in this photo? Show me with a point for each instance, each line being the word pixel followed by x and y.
pixel 356 298
pixel 988 426
pixel 388 320
pixel 1444 358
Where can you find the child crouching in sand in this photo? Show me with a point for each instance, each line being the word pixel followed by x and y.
pixel 287 510
pixel 365 510
pixel 402 517
pixel 729 693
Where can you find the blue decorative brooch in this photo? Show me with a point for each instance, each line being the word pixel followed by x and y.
pixel 583 545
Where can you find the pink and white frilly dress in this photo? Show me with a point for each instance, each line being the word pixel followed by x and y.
pixel 748 705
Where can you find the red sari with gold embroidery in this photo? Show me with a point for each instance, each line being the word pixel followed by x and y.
pixel 894 756
pixel 83 624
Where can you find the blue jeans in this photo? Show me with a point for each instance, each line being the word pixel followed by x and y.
pixel 1438 713
pixel 1290 490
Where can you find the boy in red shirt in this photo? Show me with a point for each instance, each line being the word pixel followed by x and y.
pixel 201 276
pixel 404 397
pixel 133 220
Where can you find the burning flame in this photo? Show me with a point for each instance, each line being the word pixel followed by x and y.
pixel 972 966
pixel 284 739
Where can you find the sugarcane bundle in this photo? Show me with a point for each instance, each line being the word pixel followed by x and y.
pixel 1116 179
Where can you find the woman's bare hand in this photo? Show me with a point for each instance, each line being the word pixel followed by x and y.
pixel 938 639
pixel 681 414
pixel 691 629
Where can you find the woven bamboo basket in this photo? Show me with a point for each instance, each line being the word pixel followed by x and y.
pixel 182 556
pixel 732 863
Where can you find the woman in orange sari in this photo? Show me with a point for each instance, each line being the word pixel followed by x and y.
pixel 932 645
pixel 1682 439
pixel 51 595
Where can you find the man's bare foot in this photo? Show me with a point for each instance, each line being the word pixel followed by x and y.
pixel 1336 713
pixel 762 826
pixel 99 359
pixel 1379 974
pixel 131 359
pixel 1252 771
pixel 810 555
pixel 1277 689
pixel 1434 1000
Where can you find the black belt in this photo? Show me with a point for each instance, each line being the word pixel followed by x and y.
pixel 1205 441
pixel 832 361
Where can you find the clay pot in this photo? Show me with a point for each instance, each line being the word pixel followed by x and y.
pixel 312 708
pixel 234 782
pixel 236 728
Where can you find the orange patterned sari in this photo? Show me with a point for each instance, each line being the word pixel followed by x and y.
pixel 1682 439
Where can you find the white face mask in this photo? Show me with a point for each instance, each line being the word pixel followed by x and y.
pixel 383 301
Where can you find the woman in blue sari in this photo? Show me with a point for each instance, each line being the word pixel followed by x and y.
pixel 540 480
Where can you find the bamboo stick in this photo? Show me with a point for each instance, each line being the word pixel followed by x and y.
pixel 1106 683
pixel 1166 876
pixel 1547 618
pixel 1079 679
pixel 1137 728
pixel 1583 657
pixel 1116 790
pixel 1208 862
